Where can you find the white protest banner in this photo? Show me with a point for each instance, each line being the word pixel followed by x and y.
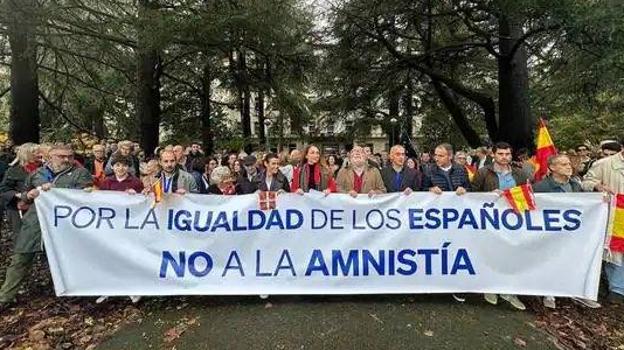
pixel 112 243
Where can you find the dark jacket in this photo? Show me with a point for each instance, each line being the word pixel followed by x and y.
pixel 486 179
pixel 203 182
pixel 435 176
pixel 279 182
pixel 548 184
pixel 246 186
pixel 14 182
pixel 488 161
pixel 90 164
pixel 411 178
pixel 29 238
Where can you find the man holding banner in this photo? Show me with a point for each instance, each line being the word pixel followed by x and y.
pixel 498 177
pixel 397 177
pixel 607 175
pixel 445 176
pixel 173 179
pixel 359 177
pixel 560 181
pixel 59 172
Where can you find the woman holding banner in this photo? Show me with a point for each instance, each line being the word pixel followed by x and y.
pixel 312 173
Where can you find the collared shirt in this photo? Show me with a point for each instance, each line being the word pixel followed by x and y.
pixel 505 180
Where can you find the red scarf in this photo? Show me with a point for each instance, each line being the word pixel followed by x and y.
pixel 30 167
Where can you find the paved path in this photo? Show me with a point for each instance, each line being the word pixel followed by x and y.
pixel 336 322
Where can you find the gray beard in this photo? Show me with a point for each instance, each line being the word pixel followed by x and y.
pixel 59 168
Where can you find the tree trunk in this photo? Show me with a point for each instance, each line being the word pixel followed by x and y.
pixel 21 24
pixel 262 133
pixel 148 83
pixel 516 122
pixel 206 109
pixel 244 101
pixel 450 101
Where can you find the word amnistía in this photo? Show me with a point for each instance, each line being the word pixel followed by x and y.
pixel 182 221
pixel 335 262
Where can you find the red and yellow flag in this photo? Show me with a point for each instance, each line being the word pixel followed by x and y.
pixel 617 232
pixel 471 171
pixel 158 191
pixel 520 198
pixel 545 149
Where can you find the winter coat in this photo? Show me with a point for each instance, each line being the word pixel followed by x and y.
pixel 29 238
pixel 487 179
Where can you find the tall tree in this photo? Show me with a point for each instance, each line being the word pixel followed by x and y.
pixel 21 18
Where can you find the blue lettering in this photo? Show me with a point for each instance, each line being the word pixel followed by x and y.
pixel 233 258
pixel 432 218
pixel 250 219
pixel 462 262
pixel 336 218
pixel 288 266
pixel 102 216
pixel 291 223
pixel 91 220
pixel 127 224
pixel 378 264
pixel 317 263
pixel 316 226
pixel 573 219
pixel 177 266
pixel 394 219
pixel 468 219
pixel 381 219
pixel 550 219
pixel 345 267
pixel 57 215
pixel 221 222
pixel 414 218
pixel 449 215
pixel 193 269
pixel 275 220
pixel 258 273
pixel 402 258
pixel 506 221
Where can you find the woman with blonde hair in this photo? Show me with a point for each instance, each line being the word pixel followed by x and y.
pixel 13 186
pixel 149 173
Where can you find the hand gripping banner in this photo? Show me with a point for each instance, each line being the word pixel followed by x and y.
pixel 111 243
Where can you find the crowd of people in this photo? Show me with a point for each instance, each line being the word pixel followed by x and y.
pixel 30 168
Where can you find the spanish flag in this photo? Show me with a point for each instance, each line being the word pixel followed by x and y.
pixel 520 198
pixel 471 171
pixel 157 190
pixel 545 149
pixel 617 232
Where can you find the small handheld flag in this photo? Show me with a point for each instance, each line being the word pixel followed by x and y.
pixel 267 200
pixel 472 171
pixel 520 198
pixel 617 231
pixel 157 190
pixel 545 149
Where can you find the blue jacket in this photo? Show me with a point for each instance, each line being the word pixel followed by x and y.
pixel 434 176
